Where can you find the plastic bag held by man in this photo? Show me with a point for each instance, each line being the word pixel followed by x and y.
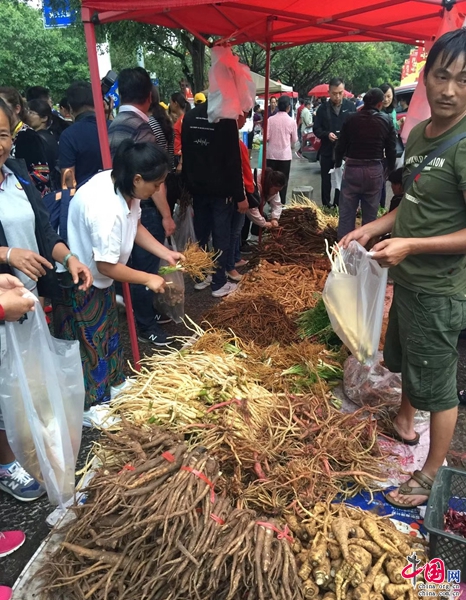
pixel 42 401
pixel 354 295
pixel 231 88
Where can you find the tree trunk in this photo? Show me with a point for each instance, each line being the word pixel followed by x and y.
pixel 198 60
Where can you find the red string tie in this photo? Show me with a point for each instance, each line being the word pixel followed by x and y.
pixel 204 478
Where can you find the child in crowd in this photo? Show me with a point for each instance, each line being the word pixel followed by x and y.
pixel 396 179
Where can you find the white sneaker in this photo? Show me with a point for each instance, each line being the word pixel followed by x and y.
pixel 123 387
pixel 202 285
pixel 228 288
pixel 98 416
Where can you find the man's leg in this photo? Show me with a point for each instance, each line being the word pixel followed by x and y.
pixel 202 219
pixel 222 214
pixel 370 199
pixel 349 200
pixel 142 298
pixel 326 163
pixel 6 454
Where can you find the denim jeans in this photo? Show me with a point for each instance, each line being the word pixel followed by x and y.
pixel 237 224
pixel 143 299
pixel 213 216
pixel 362 181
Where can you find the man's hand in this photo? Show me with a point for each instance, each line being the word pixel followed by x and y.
pixel 15 304
pixel 79 271
pixel 332 137
pixel 155 283
pixel 359 235
pixel 28 262
pixel 9 282
pixel 168 226
pixel 389 253
pixel 243 206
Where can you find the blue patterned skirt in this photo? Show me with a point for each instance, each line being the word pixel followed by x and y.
pixel 92 318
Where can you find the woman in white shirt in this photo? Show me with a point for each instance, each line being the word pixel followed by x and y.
pixel 103 224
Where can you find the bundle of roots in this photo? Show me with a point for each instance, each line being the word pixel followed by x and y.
pixel 154 527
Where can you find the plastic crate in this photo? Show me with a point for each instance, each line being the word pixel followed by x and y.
pixel 448 491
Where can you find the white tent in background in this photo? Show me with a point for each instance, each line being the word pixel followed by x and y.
pixel 275 86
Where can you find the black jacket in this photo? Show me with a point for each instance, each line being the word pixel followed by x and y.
pixel 46 236
pixel 369 134
pixel 211 156
pixel 323 125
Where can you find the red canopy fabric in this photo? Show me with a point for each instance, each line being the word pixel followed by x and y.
pixel 285 21
pixel 321 91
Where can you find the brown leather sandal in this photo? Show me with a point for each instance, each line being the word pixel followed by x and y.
pixel 425 488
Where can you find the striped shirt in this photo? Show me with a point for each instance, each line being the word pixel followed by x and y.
pixel 161 139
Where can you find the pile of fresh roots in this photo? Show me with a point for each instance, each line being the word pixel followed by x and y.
pixel 154 527
pixel 278 448
pixel 347 554
pixel 300 238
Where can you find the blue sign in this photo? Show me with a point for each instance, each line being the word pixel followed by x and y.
pixel 58 17
pixel 113 92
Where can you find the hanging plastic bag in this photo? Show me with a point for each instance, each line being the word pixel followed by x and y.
pixel 184 232
pixel 354 295
pixel 42 403
pixel 171 302
pixel 231 88
pixel 371 385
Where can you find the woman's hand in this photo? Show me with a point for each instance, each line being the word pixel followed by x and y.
pixel 15 302
pixel 173 257
pixel 9 282
pixel 28 262
pixel 155 283
pixel 79 271
pixel 268 225
pixel 274 223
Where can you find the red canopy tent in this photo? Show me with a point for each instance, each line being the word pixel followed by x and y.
pixel 321 91
pixel 284 23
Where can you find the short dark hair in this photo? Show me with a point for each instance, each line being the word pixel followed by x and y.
pixel 307 102
pixel 283 103
pixel 396 176
pixel 257 107
pixel 79 95
pixel 6 110
pixel 335 82
pixel 134 85
pixel 42 108
pixel 373 97
pixel 143 158
pixel 64 103
pixel 14 98
pixel 388 86
pixel 449 46
pixel 37 92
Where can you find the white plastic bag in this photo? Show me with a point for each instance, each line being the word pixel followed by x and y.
pixel 355 301
pixel 231 88
pixel 184 231
pixel 171 301
pixel 371 385
pixel 42 402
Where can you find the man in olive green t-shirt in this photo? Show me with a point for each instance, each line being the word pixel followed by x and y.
pixel 427 258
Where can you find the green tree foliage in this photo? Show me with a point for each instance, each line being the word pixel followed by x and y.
pixel 362 65
pixel 32 55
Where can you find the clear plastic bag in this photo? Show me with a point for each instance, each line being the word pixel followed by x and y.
pixel 232 90
pixel 42 402
pixel 171 302
pixel 355 302
pixel 371 385
pixel 184 231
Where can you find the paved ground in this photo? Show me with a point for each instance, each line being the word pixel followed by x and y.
pixel 31 517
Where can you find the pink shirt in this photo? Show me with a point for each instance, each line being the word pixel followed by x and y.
pixel 281 136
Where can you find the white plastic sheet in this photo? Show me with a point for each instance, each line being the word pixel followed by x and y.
pixel 42 402
pixel 231 88
pixel 355 302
